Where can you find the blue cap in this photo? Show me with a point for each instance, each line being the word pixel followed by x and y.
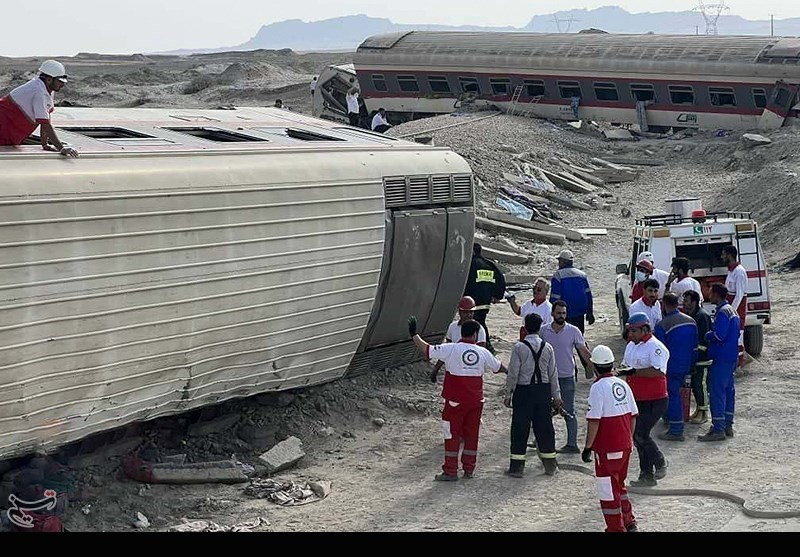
pixel 638 320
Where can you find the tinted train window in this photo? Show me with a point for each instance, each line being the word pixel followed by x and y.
pixel 469 85
pixel 643 92
pixel 439 84
pixel 379 82
pixel 721 96
pixel 760 97
pixel 681 94
pixel 569 89
pixel 500 86
pixel 408 83
pixel 534 87
pixel 782 98
pixel 606 92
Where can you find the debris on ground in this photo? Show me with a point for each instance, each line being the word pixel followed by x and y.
pixel 208 526
pixel 141 522
pixel 288 493
pixel 283 455
pixel 755 140
pixel 221 471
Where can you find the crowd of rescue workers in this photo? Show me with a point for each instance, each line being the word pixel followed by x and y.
pixel 673 343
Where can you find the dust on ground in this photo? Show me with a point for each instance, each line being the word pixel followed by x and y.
pixel 377 437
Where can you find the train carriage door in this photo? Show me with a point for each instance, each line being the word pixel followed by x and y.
pixel 748 248
pixel 778 106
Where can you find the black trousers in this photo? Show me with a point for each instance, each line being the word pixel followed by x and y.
pixel 353 118
pixel 382 128
pixel 480 317
pixel 700 386
pixel 531 406
pixel 650 457
pixel 579 322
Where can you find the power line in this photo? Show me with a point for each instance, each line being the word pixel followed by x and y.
pixel 711 14
pixel 564 24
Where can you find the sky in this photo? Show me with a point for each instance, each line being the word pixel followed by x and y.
pixel 59 27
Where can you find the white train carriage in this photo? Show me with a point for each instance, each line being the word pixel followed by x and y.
pixel 193 256
pixel 681 81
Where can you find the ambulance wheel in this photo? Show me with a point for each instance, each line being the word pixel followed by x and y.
pixel 754 339
pixel 622 311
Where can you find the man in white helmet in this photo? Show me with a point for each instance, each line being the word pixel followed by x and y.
pixel 657 274
pixel 611 422
pixel 29 106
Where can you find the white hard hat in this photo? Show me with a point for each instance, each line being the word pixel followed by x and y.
pixel 55 69
pixel 566 255
pixel 602 355
pixel 648 255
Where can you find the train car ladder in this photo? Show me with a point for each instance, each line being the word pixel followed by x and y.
pixel 512 108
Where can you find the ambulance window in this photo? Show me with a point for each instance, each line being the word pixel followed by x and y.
pixel 702 256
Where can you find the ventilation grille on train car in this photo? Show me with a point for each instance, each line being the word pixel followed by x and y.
pixel 404 191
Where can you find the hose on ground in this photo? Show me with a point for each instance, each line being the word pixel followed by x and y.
pixel 692 492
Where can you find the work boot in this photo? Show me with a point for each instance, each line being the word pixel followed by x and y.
pixel 469 475
pixel 667 436
pixel 550 466
pixel 569 449
pixel 645 480
pixel 445 478
pixel 712 436
pixel 516 468
pixel 631 527
pixel 661 471
pixel 729 431
pixel 700 417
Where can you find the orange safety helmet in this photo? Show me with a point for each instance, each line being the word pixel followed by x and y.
pixel 467 303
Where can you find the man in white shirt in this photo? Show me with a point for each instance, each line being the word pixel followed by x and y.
pixel 29 106
pixel 353 108
pixel 648 304
pixel 379 122
pixel 736 283
pixel 466 312
pixel 539 305
pixel 680 282
pixel 313 86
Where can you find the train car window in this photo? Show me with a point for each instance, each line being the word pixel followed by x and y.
pixel 782 97
pixel 408 83
pixel 438 84
pixel 643 92
pixel 216 135
pixel 32 140
pixel 500 86
pixel 760 97
pixel 469 85
pixel 379 82
pixel 721 96
pixel 299 134
pixel 681 94
pixel 569 89
pixel 107 133
pixel 534 87
pixel 606 92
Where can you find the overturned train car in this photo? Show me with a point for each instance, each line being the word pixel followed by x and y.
pixel 680 81
pixel 190 257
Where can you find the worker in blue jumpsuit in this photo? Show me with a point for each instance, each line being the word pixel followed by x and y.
pixel 678 332
pixel 723 349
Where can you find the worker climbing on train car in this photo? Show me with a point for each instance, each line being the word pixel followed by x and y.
pixel 30 105
pixel 465 363
pixel 486 285
pixel 466 312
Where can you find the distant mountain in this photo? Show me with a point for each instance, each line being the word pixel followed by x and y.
pixel 346 33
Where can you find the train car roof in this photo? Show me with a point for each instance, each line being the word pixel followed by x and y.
pixel 666 48
pixel 108 130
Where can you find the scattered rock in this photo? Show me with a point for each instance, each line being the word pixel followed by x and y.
pixel 283 455
pixel 755 140
pixel 141 521
pixel 348 435
pixel 508 149
pixel 380 422
pixel 327 431
pixel 220 425
pixel 618 134
pixel 86 509
pixel 321 489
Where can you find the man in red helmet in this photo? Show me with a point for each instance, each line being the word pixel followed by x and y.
pixel 466 311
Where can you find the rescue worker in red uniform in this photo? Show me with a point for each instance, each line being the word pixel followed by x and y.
pixel 29 106
pixel 466 312
pixel 736 283
pixel 611 418
pixel 465 363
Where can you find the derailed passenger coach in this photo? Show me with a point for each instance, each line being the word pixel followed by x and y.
pixel 678 81
pixel 194 256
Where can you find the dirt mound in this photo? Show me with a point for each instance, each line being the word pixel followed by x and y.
pixel 268 75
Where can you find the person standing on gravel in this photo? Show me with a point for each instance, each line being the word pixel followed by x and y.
pixel 532 391
pixel 678 332
pixel 572 286
pixel 565 340
pixel 736 283
pixel 692 308
pixel 611 419
pixel 466 312
pixel 538 305
pixel 486 285
pixel 680 282
pixel 645 365
pixel 465 363
pixel 723 349
pixel 313 86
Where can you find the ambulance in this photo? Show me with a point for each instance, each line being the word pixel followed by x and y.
pixel 686 230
